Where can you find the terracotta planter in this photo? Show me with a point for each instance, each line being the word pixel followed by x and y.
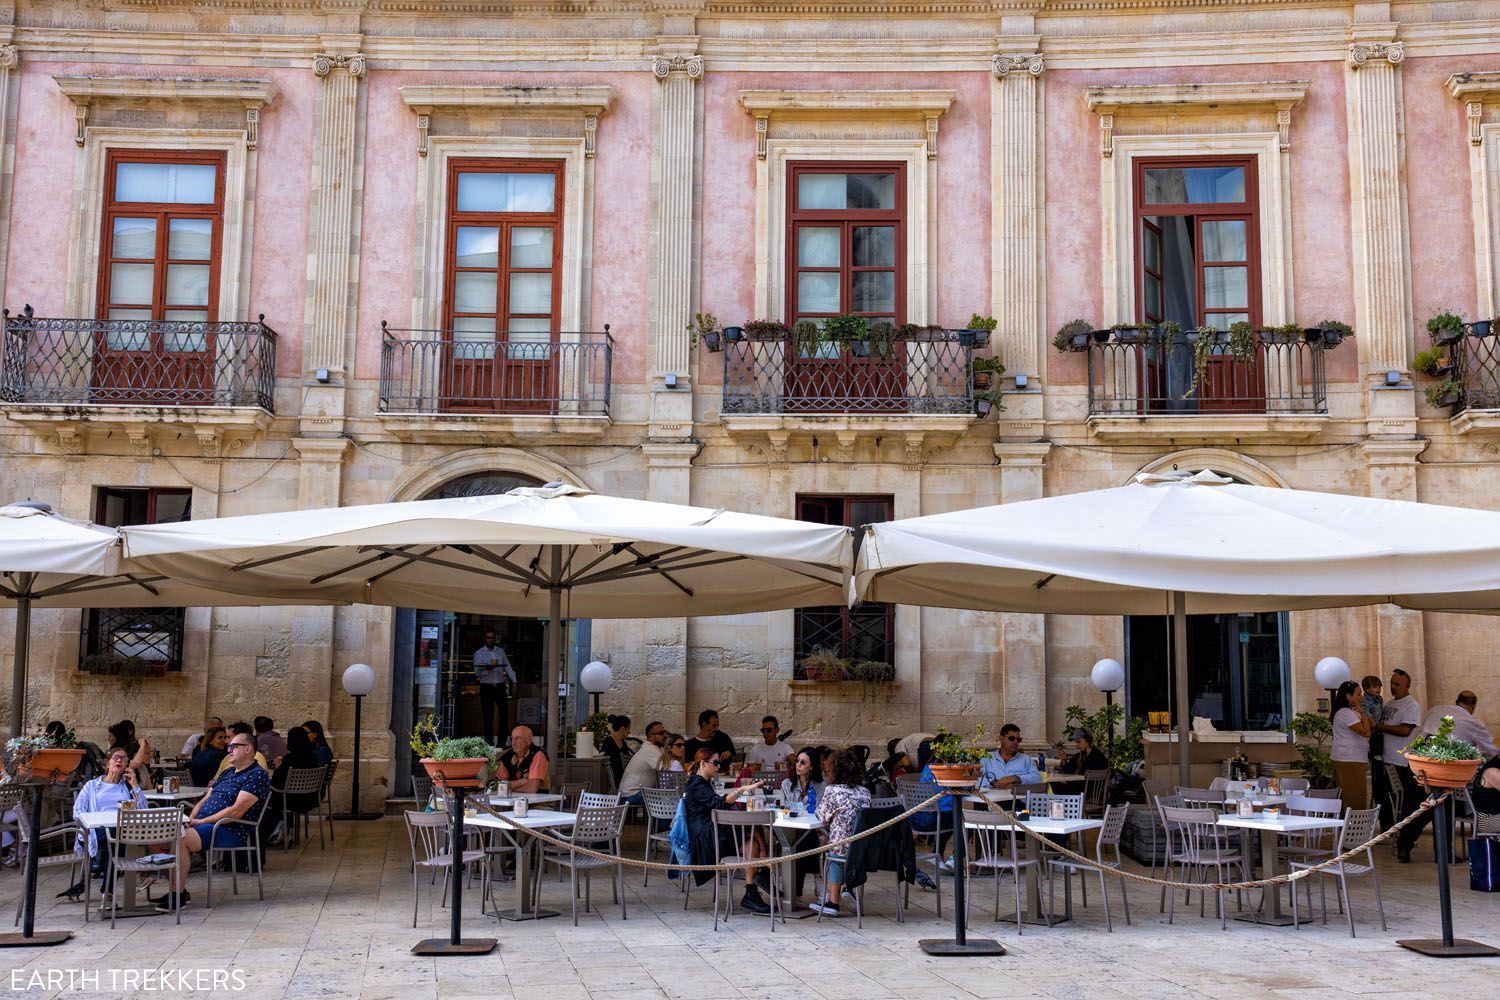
pixel 956 775
pixel 45 763
pixel 1442 773
pixel 465 772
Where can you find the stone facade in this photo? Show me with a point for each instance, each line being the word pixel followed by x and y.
pixel 1374 127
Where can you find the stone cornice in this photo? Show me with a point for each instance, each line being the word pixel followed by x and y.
pixel 1278 96
pixel 588 102
pixel 1475 90
pixel 87 91
pixel 926 105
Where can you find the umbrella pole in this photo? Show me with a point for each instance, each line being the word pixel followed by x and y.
pixel 1179 665
pixel 23 652
pixel 554 654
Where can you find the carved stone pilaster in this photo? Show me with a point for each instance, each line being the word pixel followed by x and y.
pixel 1017 278
pixel 676 141
pixel 10 56
pixel 335 183
pixel 252 127
pixel 1475 112
pixel 1382 304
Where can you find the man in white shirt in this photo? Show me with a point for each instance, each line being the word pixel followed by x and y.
pixel 191 746
pixel 495 674
pixel 772 753
pixel 1398 726
pixel 1465 726
pixel 641 771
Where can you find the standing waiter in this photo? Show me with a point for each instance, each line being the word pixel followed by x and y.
pixel 496 675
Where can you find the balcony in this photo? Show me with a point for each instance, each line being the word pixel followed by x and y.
pixel 72 376
pixel 436 386
pixel 1471 383
pixel 916 392
pixel 1143 387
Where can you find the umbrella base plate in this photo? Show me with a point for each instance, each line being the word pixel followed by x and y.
pixel 38 939
pixel 443 946
pixel 361 817
pixel 971 947
pixel 1460 948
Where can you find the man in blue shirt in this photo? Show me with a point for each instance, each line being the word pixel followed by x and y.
pixel 1008 766
pixel 239 792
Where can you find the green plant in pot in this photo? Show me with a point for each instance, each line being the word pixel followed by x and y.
pixel 765 329
pixel 986 370
pixel 1203 350
pixel 1446 328
pixel 1242 342
pixel 883 337
pixel 1445 393
pixel 1442 761
pixel 598 724
pixel 850 332
pixel 705 327
pixel 43 757
pixel 1431 362
pixel 874 672
pixel 957 760
pixel 824 664
pixel 1073 335
pixel 806 338
pixel 1313 731
pixel 983 328
pixel 452 762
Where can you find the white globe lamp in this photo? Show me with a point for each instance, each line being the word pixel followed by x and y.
pixel 358 681
pixel 596 677
pixel 1331 673
pixel 1109 676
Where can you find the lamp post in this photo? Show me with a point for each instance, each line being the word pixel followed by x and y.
pixel 1109 676
pixel 358 681
pixel 1331 673
pixel 596 677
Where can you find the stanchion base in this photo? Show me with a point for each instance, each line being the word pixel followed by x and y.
pixel 357 817
pixel 1460 948
pixel 518 914
pixel 38 939
pixel 443 946
pixel 972 946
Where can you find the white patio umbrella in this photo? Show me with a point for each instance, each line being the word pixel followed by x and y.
pixel 50 561
pixel 1185 544
pixel 558 550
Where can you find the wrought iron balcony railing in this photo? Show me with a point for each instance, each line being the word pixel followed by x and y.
pixel 1152 377
pixel 1476 369
pixel 515 373
pixel 137 362
pixel 926 373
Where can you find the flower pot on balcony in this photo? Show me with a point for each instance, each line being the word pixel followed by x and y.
pixel 1102 336
pixel 1129 336
pixel 982 407
pixel 956 775
pixel 50 764
pixel 859 348
pixel 711 341
pixel 1442 773
pixel 1481 327
pixel 734 334
pixel 967 338
pixel 1080 342
pixel 981 337
pixel 465 772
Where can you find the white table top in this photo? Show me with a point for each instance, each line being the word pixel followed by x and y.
pixel 1044 824
pixel 183 794
pixel 102 819
pixel 803 822
pixel 532 799
pixel 1280 822
pixel 1256 799
pixel 535 819
pixel 1063 779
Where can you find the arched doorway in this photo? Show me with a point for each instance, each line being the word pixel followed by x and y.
pixel 1239 664
pixel 434 649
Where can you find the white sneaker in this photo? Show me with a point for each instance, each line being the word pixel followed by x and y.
pixel 825 909
pixel 947 866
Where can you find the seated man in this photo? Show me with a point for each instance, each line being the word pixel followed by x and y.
pixel 524 765
pixel 1008 766
pixel 237 729
pixel 238 793
pixel 710 737
pixel 772 752
pixel 641 771
pixel 1486 792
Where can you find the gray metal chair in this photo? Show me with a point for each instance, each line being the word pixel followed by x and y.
pixel 1325 793
pixel 145 827
pixel 428 835
pixel 598 828
pixel 671 779
pixel 913 792
pixel 421 790
pixel 74 859
pixel 325 799
pixel 1199 832
pixel 742 827
pixel 1173 845
pixel 1109 837
pixel 300 781
pixel 1095 793
pixel 1359 827
pixel 250 826
pixel 997 849
pixel 661 810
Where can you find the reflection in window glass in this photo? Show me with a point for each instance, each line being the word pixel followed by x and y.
pixel 818 246
pixel 134 239
pixel 1224 239
pixel 487 192
pixel 477 246
pixel 166 183
pixel 1194 185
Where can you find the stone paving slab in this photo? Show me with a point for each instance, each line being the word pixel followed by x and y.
pixel 336 923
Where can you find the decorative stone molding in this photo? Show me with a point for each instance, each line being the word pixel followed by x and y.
pixel 906 439
pixel 1475 90
pixel 1480 92
pixel 1360 53
pixel 10 57
pixel 925 105
pixel 89 91
pixel 326 62
pixel 1195 99
pixel 662 67
pixel 585 104
pixel 1005 65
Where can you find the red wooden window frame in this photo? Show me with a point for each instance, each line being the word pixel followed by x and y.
pixel 847 219
pixel 805 501
pixel 505 221
pixel 163 213
pixel 1247 210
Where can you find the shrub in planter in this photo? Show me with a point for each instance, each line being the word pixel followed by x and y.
pixel 986 370
pixel 824 664
pixel 1441 760
pixel 1073 335
pixel 847 330
pixel 765 329
pixel 956 760
pixel 1429 362
pixel 986 400
pixel 873 672
pixel 882 339
pixel 1445 328
pixel 1131 333
pixel 805 338
pixel 1444 393
pixel 700 326
pixel 983 327
pixel 1242 342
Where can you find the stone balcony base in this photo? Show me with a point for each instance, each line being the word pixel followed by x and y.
pixel 1209 428
pixel 899 437
pixel 494 428
pixel 217 429
pixel 1476 423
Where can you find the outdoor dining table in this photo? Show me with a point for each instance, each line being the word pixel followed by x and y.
pixel 1258 800
pixel 1270 825
pixel 186 793
pixel 108 819
pixel 788 827
pixel 1038 827
pixel 530 798
pixel 540 819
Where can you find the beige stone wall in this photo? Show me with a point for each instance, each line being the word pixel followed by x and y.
pixel 1017 220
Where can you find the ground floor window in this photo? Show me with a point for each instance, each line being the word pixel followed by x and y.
pixel 1237 668
pixel 135 641
pixel 859 634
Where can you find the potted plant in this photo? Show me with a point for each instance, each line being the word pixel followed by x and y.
pixel 982 328
pixel 765 329
pixel 705 327
pixel 1481 327
pixel 1242 342
pixel 824 664
pixel 849 332
pixel 1073 335
pixel 596 725
pixel 42 756
pixel 1204 340
pixel 1311 732
pixel 1165 334
pixel 1441 761
pixel 1288 333
pixel 1432 362
pixel 986 370
pixel 1446 328
pixel 986 400
pixel 955 760
pixel 1448 392
pixel 806 337
pixel 462 762
pixel 882 338
pixel 874 672
pixel 1130 333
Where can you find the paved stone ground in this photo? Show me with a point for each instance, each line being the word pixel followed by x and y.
pixel 337 923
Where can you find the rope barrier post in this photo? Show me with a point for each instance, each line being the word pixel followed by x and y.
pixel 1446 946
pixel 961 944
pixel 29 936
pixel 455 944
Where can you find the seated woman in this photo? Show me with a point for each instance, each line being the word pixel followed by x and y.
pixel 321 749
pixel 838 808
pixel 614 746
pixel 103 794
pixel 211 753
pixel 699 800
pixel 1089 757
pixel 122 734
pixel 299 754
pixel 804 791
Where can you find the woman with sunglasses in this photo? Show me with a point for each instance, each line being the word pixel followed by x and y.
pixel 104 794
pixel 676 748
